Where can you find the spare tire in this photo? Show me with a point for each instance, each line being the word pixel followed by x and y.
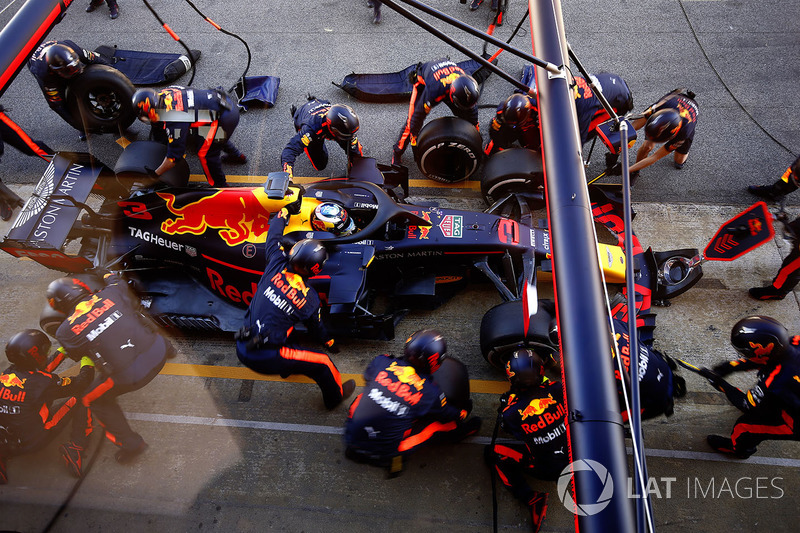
pixel 512 170
pixel 100 100
pixel 448 149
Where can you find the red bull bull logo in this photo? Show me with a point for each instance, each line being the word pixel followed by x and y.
pixel 237 213
pixel 91 315
pixel 537 406
pixel 12 380
pixel 82 308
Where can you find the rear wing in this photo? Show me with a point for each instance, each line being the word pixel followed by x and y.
pixel 45 224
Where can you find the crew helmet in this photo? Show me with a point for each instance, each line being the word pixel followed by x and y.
pixel 760 338
pixel 307 257
pixel 464 91
pixel 342 122
pixel 525 368
pixel 28 350
pixel 63 60
pixel 517 109
pixel 145 102
pixel 63 293
pixel 333 218
pixel 662 125
pixel 425 350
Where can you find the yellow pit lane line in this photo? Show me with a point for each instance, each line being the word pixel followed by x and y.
pixel 236 372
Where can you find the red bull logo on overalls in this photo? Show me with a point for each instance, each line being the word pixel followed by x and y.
pixel 537 406
pixel 12 380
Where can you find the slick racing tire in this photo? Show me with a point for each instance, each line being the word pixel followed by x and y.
pixel 139 156
pixel 99 99
pixel 448 149
pixel 511 171
pixel 502 332
pixel 50 319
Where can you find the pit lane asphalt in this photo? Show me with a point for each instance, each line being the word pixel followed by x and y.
pixel 232 453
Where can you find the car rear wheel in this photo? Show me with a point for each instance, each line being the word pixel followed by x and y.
pixel 511 171
pixel 448 149
pixel 503 331
pixel 99 99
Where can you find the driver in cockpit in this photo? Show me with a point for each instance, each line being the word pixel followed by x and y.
pixel 333 218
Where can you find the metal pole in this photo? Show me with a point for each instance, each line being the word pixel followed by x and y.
pixel 597 443
pixel 24 33
pixel 643 503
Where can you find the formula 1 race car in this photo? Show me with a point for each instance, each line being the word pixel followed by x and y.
pixel 194 254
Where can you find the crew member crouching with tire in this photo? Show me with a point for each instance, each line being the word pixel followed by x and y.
pixel 53 64
pixel 402 407
pixel 208 118
pixel 282 299
pixel 516 120
pixel 534 412
pixel 437 81
pixel 107 327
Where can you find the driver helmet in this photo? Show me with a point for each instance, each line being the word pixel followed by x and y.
pixel 307 257
pixel 63 60
pixel 517 109
pixel 464 91
pixel 333 218
pixel 425 350
pixel 342 122
pixel 525 368
pixel 64 293
pixel 760 339
pixel 144 102
pixel 28 350
pixel 662 125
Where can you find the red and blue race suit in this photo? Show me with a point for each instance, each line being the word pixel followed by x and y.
pixel 398 411
pixel 311 124
pixel 688 110
pixel 53 86
pixel 536 416
pixel 772 407
pixel 27 419
pixel 108 328
pixel 281 300
pixel 207 117
pixel 590 110
pixel 502 134
pixel 431 88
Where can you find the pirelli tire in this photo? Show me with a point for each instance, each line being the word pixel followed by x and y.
pixel 448 150
pixel 510 171
pixel 99 100
pixel 503 331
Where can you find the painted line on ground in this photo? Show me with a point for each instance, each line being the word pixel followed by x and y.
pixel 237 372
pixel 330 430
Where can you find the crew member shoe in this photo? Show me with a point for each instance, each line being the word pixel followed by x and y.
pixel 113 12
pixel 94 5
pixel 767 293
pixel 377 16
pixel 126 456
pixel 230 159
pixel 767 192
pixel 678 165
pixel 725 445
pixel 475 4
pixel 538 508
pixel 73 457
pixel 6 212
pixel 495 4
pixel 347 388
pixel 3 471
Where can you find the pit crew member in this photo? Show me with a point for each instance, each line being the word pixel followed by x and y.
pixel 789 273
pixel 282 299
pixel 437 81
pixel 516 120
pixel 533 411
pixel 113 7
pixel 402 407
pixel 671 121
pixel 318 121
pixel 772 407
pixel 53 64
pixel 29 420
pixel 181 115
pixel 107 327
